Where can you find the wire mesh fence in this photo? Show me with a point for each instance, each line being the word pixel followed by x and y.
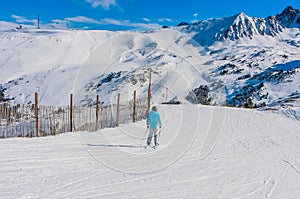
pixel 32 121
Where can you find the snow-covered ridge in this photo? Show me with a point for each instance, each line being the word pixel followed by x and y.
pixel 241 26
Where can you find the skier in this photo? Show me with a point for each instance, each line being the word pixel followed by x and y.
pixel 153 119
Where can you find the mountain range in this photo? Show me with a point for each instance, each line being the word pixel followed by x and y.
pixel 237 61
pixel 241 26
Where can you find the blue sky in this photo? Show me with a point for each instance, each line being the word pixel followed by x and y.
pixel 129 14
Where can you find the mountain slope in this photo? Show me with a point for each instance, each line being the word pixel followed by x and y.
pixel 79 61
pixel 225 61
pixel 264 71
pixel 242 48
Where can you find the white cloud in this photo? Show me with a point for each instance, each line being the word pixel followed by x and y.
pixel 57 24
pixel 103 3
pixel 164 20
pixel 146 19
pixel 128 23
pixel 21 19
pixel 195 14
pixel 58 21
pixel 82 19
pixel 69 22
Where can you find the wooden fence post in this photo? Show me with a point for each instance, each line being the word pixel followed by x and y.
pixel 36 108
pixel 118 110
pixel 2 115
pixel 134 107
pixel 149 91
pixel 71 113
pixel 97 112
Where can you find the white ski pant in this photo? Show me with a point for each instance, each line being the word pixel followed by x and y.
pixel 152 133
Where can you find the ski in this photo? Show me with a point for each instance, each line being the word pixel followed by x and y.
pixel 153 147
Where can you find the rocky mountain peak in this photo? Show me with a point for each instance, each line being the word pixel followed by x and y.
pixel 243 26
pixel 289 17
pixel 289 11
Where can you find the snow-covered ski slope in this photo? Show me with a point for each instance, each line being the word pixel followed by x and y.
pixel 204 152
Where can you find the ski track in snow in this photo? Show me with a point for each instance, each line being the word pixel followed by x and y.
pixel 204 152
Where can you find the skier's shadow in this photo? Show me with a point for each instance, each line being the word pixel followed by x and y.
pixel 115 146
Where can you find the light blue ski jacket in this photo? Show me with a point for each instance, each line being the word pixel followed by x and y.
pixel 153 119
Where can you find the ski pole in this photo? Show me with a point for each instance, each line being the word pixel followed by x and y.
pixel 144 136
pixel 159 132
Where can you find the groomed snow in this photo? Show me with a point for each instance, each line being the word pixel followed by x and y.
pixel 204 152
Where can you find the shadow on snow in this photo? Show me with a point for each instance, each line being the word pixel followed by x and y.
pixel 115 146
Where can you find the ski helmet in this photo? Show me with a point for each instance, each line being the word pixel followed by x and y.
pixel 154 108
